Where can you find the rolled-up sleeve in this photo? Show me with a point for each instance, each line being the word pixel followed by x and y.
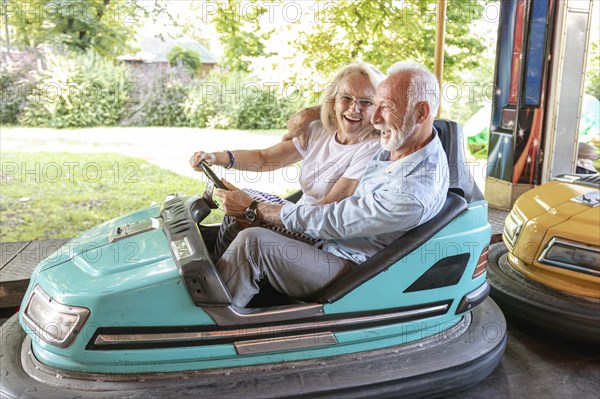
pixel 380 212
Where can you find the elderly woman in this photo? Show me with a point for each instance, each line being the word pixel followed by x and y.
pixel 341 144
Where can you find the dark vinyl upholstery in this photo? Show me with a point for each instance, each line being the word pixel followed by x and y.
pixel 461 180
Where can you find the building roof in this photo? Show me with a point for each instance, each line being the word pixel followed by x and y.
pixel 155 49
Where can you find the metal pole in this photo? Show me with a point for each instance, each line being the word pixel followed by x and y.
pixel 438 58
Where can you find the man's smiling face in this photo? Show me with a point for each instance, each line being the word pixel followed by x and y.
pixel 391 116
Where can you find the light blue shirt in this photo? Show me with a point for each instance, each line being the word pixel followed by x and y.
pixel 391 198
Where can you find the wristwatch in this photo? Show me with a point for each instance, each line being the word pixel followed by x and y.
pixel 250 212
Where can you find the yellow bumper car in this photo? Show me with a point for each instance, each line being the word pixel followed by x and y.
pixel 546 270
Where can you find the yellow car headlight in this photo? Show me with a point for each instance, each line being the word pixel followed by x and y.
pixel 51 321
pixel 572 255
pixel 512 227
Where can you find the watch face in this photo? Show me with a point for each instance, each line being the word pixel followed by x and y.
pixel 250 215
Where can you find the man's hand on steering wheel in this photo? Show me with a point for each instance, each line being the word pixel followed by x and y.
pixel 235 201
pixel 229 186
pixel 213 181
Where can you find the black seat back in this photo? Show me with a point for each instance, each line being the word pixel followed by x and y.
pixel 461 180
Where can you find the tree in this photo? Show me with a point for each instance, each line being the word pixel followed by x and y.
pixel 592 72
pixel 104 26
pixel 189 59
pixel 238 24
pixel 384 31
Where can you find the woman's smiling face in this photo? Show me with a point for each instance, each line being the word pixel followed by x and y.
pixel 354 106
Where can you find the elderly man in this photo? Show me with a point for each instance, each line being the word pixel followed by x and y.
pixel 403 186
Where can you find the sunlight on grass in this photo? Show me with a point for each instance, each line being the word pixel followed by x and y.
pixel 60 195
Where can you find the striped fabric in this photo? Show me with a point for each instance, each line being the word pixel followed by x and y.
pixel 222 244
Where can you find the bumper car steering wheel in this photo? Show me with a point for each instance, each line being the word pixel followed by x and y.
pixel 213 181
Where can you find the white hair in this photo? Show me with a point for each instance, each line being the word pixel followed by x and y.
pixel 424 85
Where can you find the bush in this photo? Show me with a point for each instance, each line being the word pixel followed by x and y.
pixel 84 90
pixel 213 101
pixel 236 101
pixel 198 110
pixel 15 82
pixel 159 98
pixel 77 90
pixel 261 109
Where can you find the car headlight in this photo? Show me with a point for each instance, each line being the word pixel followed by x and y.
pixel 51 321
pixel 512 227
pixel 572 255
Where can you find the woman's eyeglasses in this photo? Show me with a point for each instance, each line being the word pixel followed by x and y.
pixel 348 100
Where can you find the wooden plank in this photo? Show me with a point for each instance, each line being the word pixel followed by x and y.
pixel 23 262
pixel 11 293
pixel 9 250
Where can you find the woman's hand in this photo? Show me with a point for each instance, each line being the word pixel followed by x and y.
pixel 209 157
pixel 298 125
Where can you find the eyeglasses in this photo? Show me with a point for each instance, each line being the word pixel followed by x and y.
pixel 347 100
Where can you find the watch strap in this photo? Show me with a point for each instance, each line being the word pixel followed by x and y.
pixel 253 205
pixel 250 212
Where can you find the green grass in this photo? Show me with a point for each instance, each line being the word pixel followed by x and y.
pixel 59 195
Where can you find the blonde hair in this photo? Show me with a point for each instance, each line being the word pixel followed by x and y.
pixel 328 117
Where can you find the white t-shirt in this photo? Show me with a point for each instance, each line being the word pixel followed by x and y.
pixel 325 161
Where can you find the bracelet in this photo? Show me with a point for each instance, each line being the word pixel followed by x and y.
pixel 231 159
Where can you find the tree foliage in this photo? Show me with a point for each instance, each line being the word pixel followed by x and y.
pixel 77 90
pixel 592 72
pixel 104 26
pixel 188 58
pixel 384 31
pixel 239 33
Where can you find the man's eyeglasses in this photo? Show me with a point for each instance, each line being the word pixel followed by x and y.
pixel 347 100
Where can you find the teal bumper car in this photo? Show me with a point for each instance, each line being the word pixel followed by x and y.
pixel 136 308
